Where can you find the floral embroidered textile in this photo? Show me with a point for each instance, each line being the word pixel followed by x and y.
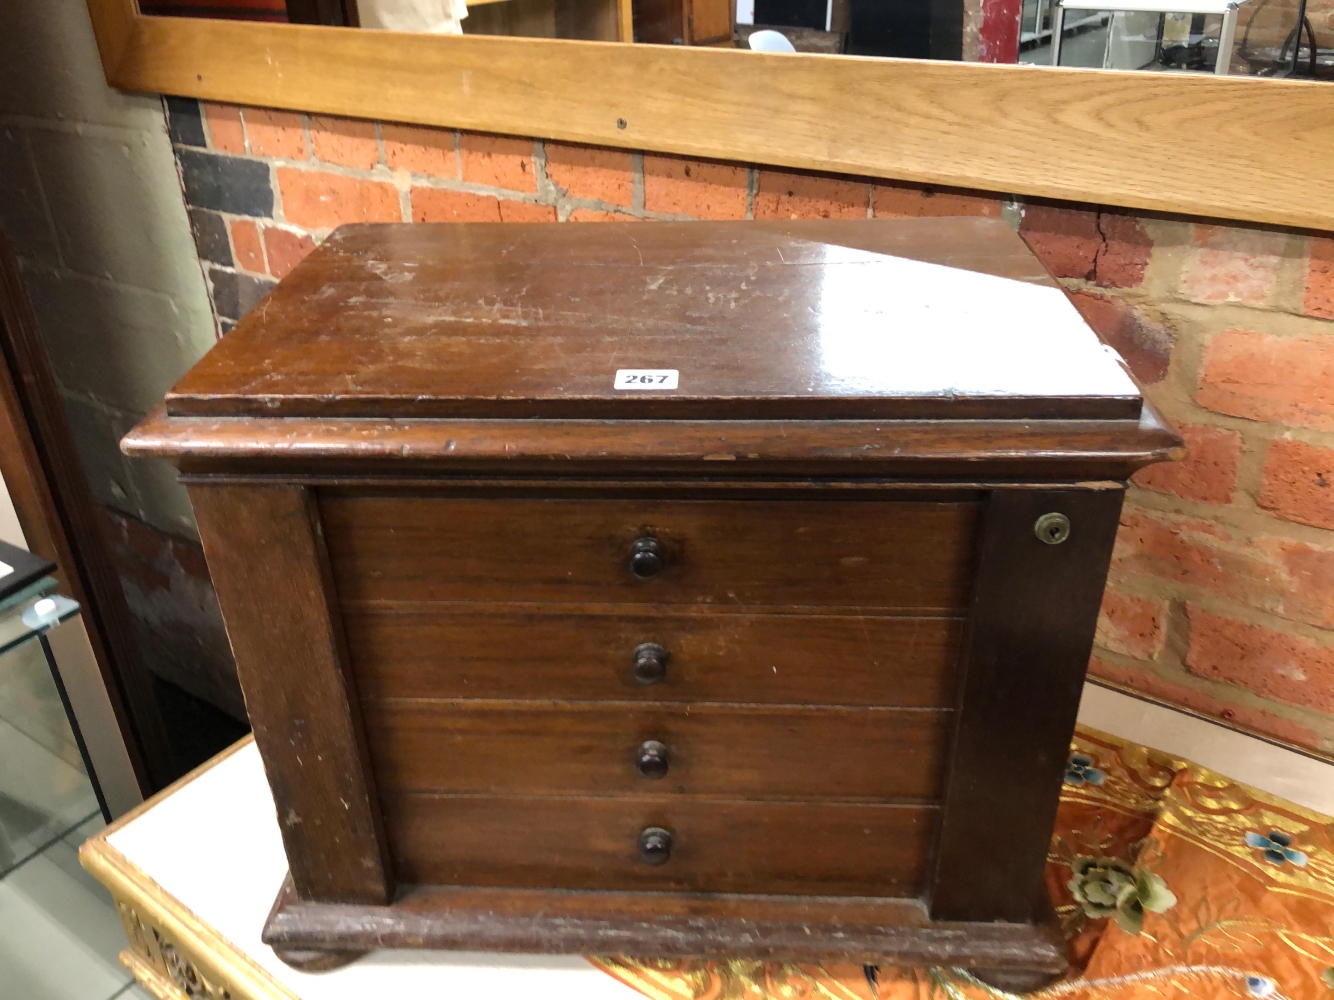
pixel 1170 881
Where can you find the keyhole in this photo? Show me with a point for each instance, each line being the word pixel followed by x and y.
pixel 1052 528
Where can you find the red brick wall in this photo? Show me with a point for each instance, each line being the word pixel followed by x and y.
pixel 1222 589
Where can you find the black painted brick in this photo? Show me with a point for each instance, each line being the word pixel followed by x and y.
pixel 184 121
pixel 211 236
pixel 234 294
pixel 226 184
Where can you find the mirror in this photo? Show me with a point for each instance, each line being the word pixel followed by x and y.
pixel 1192 142
pixel 1259 38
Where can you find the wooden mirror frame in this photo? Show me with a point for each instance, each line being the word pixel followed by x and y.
pixel 1231 147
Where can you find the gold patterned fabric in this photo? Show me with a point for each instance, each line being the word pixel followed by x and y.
pixel 1170 881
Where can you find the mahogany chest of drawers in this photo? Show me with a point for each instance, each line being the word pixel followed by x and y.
pixel 671 589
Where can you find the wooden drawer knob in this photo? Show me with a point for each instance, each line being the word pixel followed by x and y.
pixel 652 758
pixel 647 557
pixel 655 845
pixel 650 663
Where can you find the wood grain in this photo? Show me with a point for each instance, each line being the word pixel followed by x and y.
pixel 909 556
pixel 485 568
pixel 535 748
pixel 1256 148
pixel 810 849
pixel 1034 610
pixel 585 653
pixel 974 450
pixel 518 320
pixel 792 928
pixel 267 561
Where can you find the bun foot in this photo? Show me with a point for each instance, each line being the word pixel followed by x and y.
pixel 316 960
pixel 1016 980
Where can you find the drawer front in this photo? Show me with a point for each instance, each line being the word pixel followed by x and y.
pixel 742 752
pixel 804 849
pixel 905 555
pixel 754 659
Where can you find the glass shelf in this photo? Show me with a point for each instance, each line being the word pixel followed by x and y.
pixel 48 788
pixel 33 611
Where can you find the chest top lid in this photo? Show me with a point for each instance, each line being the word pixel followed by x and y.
pixel 865 319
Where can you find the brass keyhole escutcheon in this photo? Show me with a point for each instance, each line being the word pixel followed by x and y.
pixel 1052 528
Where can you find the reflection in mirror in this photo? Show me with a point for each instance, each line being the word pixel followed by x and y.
pixel 1268 38
pixel 1265 38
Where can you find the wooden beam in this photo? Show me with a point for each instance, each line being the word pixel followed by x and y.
pixel 1233 147
pixel 113 26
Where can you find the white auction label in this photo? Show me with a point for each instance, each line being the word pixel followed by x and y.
pixel 646 378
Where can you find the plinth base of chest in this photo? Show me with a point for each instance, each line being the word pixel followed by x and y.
pixel 661 924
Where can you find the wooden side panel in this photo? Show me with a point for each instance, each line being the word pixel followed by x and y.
pixel 595 20
pixel 910 556
pixel 520 18
pixel 659 22
pixel 266 554
pixel 808 849
pixel 1035 606
pixel 536 748
pixel 709 22
pixel 586 654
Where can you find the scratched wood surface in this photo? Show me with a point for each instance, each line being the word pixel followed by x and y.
pixel 909 556
pixel 801 848
pixel 747 752
pixel 495 320
pixel 484 588
pixel 586 652
pixel 974 451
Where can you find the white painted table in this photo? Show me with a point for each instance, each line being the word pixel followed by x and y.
pixel 201 864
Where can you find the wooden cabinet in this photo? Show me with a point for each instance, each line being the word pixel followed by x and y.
pixel 704 588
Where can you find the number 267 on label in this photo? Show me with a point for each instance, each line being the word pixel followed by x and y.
pixel 647 378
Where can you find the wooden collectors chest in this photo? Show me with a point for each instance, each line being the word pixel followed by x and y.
pixel 671 589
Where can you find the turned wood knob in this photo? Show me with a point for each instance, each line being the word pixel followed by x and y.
pixel 647 557
pixel 650 662
pixel 655 845
pixel 651 759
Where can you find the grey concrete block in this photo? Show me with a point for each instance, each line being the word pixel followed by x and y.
pixel 97 431
pixel 49 68
pixel 124 346
pixel 163 500
pixel 117 209
pixel 147 488
pixel 22 203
